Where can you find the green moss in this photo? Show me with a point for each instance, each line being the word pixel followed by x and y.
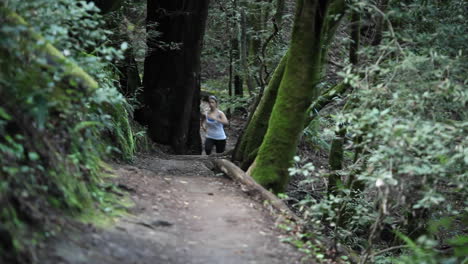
pixel 336 154
pixel 255 131
pixel 72 71
pixel 112 207
pixel 323 100
pixel 48 157
pixel 297 89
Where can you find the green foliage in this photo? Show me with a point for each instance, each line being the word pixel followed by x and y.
pixel 57 123
pixel 408 123
pixel 315 137
pixel 448 36
pixel 234 103
pixel 423 250
pixel 223 39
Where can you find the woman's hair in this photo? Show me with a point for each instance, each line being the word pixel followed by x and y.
pixel 213 97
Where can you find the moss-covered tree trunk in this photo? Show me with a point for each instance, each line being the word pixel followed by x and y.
pixel 296 92
pixel 335 160
pixel 171 94
pixel 255 130
pixel 247 146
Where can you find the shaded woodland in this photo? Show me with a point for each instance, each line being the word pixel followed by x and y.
pixel 354 113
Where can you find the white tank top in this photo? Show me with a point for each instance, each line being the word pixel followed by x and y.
pixel 214 129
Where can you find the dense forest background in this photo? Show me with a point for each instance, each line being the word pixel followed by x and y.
pixel 354 113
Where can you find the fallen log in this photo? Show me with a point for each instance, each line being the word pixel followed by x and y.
pixel 254 188
pixel 237 174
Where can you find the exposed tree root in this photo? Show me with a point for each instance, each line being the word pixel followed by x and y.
pixel 254 188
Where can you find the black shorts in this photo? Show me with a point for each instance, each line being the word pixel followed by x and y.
pixel 220 145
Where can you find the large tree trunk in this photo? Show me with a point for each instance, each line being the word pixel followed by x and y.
pixel 247 146
pixel 172 76
pixel 296 91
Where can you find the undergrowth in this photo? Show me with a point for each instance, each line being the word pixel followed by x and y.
pixel 61 116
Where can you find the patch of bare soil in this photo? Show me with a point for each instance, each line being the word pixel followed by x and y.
pixel 184 213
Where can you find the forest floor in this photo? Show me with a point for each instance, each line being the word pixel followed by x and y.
pixel 183 212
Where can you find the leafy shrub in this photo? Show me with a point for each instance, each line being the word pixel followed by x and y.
pixel 58 101
pixel 407 117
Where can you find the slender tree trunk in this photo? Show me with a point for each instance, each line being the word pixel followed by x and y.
pixel 323 100
pixel 336 151
pixel 258 14
pixel 380 24
pixel 336 161
pixel 238 90
pixel 355 38
pixel 172 76
pixel 230 81
pixel 131 77
pixel 244 51
pixel 128 70
pixel 352 183
pixel 279 12
pixel 236 52
pixel 296 91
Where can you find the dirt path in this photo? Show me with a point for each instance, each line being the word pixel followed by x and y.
pixel 184 213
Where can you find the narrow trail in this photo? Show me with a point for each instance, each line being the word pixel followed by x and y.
pixel 184 213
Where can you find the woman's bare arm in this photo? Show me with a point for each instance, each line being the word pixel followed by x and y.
pixel 222 118
pixel 203 121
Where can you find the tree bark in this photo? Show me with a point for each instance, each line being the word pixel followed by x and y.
pixel 255 131
pixel 380 24
pixel 244 51
pixel 336 151
pixel 254 188
pixel 129 76
pixel 323 100
pixel 250 141
pixel 236 51
pixel 296 91
pixel 254 38
pixel 280 4
pixel 172 76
